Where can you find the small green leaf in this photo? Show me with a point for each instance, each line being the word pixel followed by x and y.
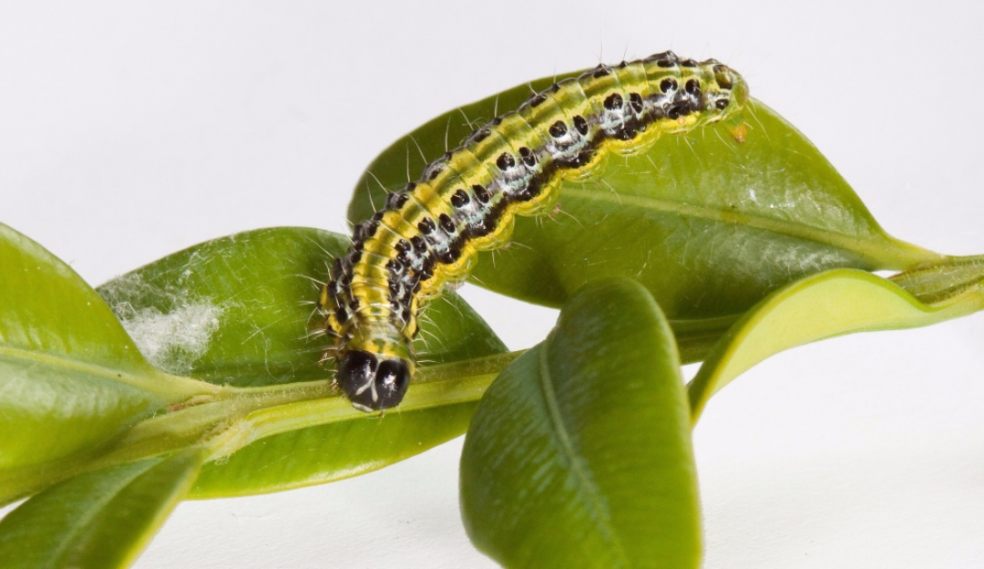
pixel 70 377
pixel 580 454
pixel 710 221
pixel 834 303
pixel 98 520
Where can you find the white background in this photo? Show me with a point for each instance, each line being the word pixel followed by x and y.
pixel 130 130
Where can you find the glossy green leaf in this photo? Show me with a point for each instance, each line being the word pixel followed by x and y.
pixel 834 303
pixel 710 221
pixel 70 377
pixel 246 300
pixel 580 454
pixel 98 520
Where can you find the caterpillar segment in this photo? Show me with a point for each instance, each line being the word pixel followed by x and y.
pixel 429 233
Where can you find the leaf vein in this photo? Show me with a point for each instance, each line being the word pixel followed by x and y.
pixel 579 469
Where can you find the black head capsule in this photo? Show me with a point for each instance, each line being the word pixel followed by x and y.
pixel 372 384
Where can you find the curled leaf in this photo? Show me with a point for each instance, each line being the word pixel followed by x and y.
pixel 580 452
pixel 831 304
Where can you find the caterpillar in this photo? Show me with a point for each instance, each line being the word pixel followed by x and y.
pixel 428 234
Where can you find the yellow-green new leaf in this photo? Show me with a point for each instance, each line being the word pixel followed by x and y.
pixel 580 454
pixel 835 303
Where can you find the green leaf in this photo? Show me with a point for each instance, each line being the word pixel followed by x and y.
pixel 70 377
pixel 252 287
pixel 580 452
pixel 834 303
pixel 326 453
pixel 710 221
pixel 98 520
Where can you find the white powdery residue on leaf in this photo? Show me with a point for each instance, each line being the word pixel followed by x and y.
pixel 174 340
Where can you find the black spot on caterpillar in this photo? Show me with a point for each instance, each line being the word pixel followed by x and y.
pixel 464 202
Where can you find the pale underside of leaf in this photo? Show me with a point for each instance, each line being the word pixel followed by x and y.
pixel 834 303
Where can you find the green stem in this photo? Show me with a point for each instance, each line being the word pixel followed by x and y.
pixel 238 416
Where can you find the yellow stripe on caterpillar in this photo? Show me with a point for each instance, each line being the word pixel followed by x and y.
pixel 466 201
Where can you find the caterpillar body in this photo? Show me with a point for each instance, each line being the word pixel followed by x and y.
pixel 429 233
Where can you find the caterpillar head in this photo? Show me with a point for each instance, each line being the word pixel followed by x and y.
pixel 373 383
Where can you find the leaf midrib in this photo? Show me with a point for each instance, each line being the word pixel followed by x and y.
pixel 566 446
pixel 896 254
pixel 170 388
pixel 95 507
